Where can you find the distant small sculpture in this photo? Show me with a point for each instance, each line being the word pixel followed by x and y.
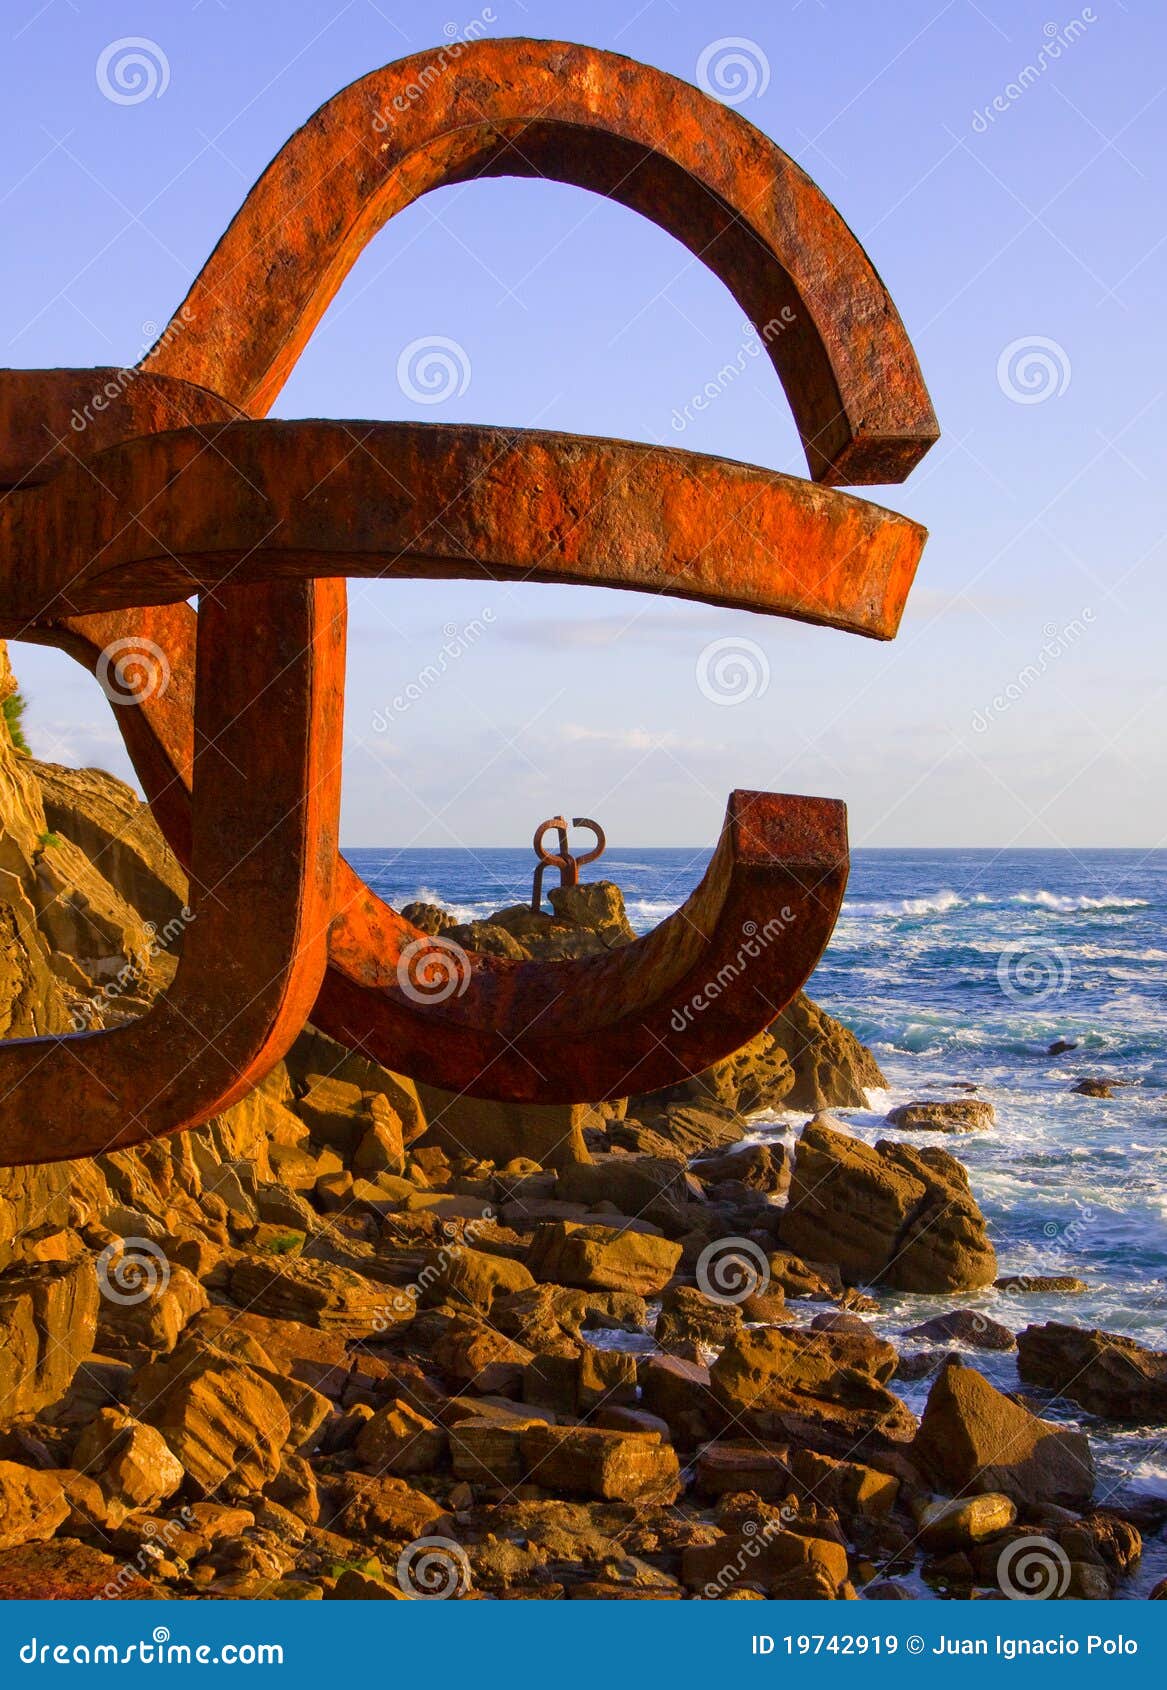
pixel 128 491
pixel 567 864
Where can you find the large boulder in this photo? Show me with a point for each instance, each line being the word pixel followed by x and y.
pixel 758 1076
pixel 1103 1372
pixel 782 1562
pixel 320 1294
pixel 826 1390
pixel 603 1258
pixel 400 1440
pixel 973 1439
pixel 153 1321
pixel 315 1056
pixel 678 1130
pixel 48 1321
pixel 224 1419
pixel 457 1274
pixel 759 1167
pixel 613 1466
pixel 548 1133
pixel 655 1188
pixel 130 1461
pixel 951 1115
pixel 588 920
pixel 886 1214
pixel 32 1505
pixel 832 1070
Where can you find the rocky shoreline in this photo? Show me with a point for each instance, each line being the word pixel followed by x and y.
pixel 358 1338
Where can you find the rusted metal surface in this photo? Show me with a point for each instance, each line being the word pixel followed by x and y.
pixel 567 864
pixel 550 109
pixel 170 485
pixel 163 516
pixel 645 1015
pixel 261 857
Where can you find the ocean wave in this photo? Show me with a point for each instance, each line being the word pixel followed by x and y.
pixel 1061 904
pixel 936 903
pixel 643 913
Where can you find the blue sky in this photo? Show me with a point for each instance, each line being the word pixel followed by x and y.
pixel 1024 699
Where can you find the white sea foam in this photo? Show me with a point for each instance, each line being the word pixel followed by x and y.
pixel 1064 905
pixel 460 912
pixel 936 903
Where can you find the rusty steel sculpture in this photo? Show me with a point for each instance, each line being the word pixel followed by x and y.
pixel 567 864
pixel 123 493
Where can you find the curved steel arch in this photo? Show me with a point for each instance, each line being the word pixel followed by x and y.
pixel 170 520
pixel 599 121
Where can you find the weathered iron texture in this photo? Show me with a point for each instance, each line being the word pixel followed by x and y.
pixel 567 864
pixel 125 492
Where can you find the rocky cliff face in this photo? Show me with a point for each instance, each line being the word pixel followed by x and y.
pixel 265 1358
pixel 90 895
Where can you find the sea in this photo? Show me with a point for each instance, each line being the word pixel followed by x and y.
pixel 961 968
